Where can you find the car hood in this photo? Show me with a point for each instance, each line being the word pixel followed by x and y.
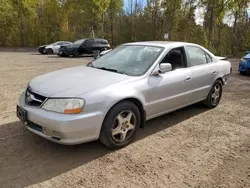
pixel 72 82
pixel 49 46
pixel 42 46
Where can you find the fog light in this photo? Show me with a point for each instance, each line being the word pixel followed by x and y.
pixel 51 132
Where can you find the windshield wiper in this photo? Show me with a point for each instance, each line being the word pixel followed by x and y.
pixel 108 69
pixel 90 64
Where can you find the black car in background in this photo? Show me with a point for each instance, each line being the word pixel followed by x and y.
pixel 84 46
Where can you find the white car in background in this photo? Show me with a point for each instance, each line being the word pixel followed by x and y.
pixel 52 48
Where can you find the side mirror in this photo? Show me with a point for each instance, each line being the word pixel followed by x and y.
pixel 247 52
pixel 162 68
pixel 165 67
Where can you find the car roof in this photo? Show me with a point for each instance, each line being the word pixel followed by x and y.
pixel 161 43
pixel 95 39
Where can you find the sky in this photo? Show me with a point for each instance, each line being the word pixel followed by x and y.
pixel 199 13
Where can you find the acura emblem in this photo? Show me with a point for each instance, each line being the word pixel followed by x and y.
pixel 29 97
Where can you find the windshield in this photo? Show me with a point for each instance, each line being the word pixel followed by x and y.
pixel 133 60
pixel 79 41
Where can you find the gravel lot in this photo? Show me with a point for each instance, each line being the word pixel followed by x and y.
pixel 193 147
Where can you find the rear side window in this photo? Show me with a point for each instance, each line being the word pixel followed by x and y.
pixel 88 42
pixel 104 42
pixel 196 56
pixel 96 41
pixel 101 41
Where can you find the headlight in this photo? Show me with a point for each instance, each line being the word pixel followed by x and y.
pixel 243 60
pixel 66 106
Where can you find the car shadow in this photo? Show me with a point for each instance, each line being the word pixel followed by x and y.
pixel 37 54
pixel 69 57
pixel 27 159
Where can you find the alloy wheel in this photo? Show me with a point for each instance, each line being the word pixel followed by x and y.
pixel 216 94
pixel 123 126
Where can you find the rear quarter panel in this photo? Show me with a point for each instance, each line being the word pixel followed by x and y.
pixel 223 68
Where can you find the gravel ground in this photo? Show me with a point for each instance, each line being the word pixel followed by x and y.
pixel 192 147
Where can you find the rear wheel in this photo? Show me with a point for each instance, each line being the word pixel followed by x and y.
pixel 63 55
pixel 214 96
pixel 120 125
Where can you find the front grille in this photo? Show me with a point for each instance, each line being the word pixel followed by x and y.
pixel 52 133
pixel 35 127
pixel 33 99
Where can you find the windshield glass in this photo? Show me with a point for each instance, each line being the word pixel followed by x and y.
pixel 133 60
pixel 79 41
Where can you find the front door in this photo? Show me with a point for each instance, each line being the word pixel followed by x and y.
pixel 87 46
pixel 170 90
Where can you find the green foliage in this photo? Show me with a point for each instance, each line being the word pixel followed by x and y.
pixel 35 22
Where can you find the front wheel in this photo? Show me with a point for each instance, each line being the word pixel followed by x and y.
pixel 214 96
pixel 243 73
pixel 76 53
pixel 49 51
pixel 120 125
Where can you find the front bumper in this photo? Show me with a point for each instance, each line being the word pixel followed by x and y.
pixel 65 129
pixel 244 67
pixel 41 50
pixel 225 78
pixel 66 51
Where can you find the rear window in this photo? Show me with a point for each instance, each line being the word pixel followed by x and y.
pixel 101 41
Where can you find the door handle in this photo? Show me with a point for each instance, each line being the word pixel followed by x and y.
pixel 214 72
pixel 188 78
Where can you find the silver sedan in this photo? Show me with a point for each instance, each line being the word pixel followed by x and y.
pixel 113 96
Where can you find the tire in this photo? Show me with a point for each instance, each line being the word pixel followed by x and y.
pixel 42 51
pixel 76 53
pixel 103 49
pixel 243 73
pixel 62 55
pixel 117 131
pixel 214 96
pixel 49 51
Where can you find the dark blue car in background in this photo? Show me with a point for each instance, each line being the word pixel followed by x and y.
pixel 244 65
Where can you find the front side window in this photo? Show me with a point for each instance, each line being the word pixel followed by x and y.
pixel 133 60
pixel 209 58
pixel 196 56
pixel 176 57
pixel 59 43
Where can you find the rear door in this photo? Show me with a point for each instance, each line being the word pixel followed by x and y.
pixel 203 72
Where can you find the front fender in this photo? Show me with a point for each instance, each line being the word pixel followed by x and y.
pixel 108 97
